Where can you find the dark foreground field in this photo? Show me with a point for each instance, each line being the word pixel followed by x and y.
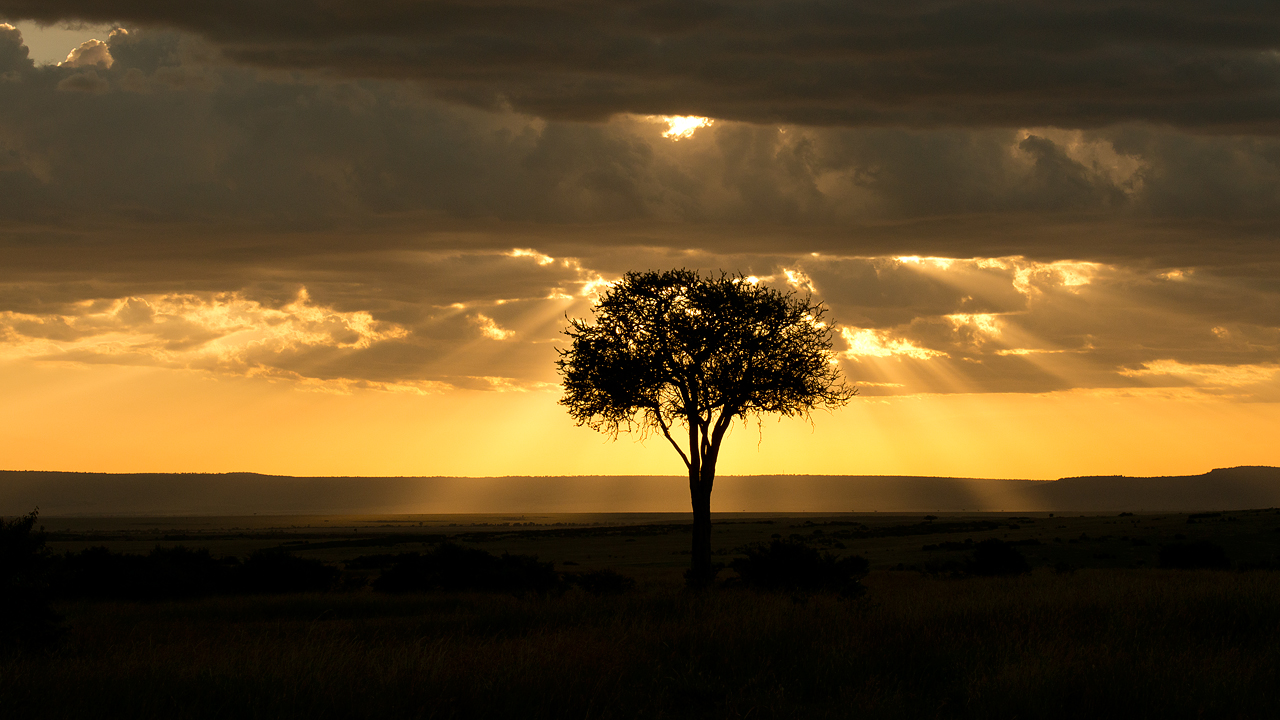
pixel 1095 630
pixel 1093 644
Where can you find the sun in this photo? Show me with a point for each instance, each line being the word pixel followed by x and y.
pixel 682 126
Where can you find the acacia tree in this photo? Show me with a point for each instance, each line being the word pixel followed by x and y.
pixel 683 355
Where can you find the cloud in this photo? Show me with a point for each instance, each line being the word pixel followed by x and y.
pixel 923 64
pixel 1212 376
pixel 490 329
pixel 870 343
pixel 13 53
pixel 416 331
pixel 1017 325
pixel 90 52
pixel 170 138
pixel 906 326
pixel 87 81
pixel 225 333
pixel 999 258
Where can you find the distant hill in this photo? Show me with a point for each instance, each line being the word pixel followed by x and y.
pixel 61 493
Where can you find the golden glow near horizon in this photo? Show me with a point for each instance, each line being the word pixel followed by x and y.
pixel 211 383
pixel 131 419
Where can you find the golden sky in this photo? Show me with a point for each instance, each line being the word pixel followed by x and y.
pixel 349 246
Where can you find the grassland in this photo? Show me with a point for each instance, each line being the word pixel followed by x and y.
pixel 1095 630
pixel 654 547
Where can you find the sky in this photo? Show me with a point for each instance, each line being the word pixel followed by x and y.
pixel 319 238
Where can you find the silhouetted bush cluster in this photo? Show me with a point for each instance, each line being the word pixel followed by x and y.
pixel 98 573
pixel 179 572
pixel 997 557
pixel 792 565
pixel 376 562
pixel 26 620
pixel 277 571
pixel 453 567
pixel 1194 555
pixel 601 582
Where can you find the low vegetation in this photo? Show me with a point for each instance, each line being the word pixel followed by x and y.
pixel 797 626
pixel 167 573
pixel 997 557
pixel 1189 556
pixel 1140 644
pixel 792 565
pixel 26 618
pixel 451 567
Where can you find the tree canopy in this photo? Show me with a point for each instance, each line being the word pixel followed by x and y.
pixel 678 350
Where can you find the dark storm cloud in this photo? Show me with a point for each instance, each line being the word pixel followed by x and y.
pixel 167 143
pixel 13 54
pixel 146 199
pixel 1210 66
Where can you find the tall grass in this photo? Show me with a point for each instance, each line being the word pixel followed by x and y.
pixel 1096 643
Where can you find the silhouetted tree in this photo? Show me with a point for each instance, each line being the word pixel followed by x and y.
pixel 674 348
pixel 25 616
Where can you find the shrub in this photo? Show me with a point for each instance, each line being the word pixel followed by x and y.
pixel 453 567
pixel 792 565
pixel 26 620
pixel 602 582
pixel 181 572
pixel 277 571
pixel 1194 555
pixel 376 562
pixel 997 557
pixel 96 573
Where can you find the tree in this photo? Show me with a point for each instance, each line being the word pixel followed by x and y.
pixel 672 349
pixel 25 616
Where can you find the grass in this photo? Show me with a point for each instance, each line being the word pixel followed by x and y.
pixel 651 551
pixel 1096 642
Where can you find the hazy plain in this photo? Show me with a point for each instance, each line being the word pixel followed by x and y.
pixel 656 545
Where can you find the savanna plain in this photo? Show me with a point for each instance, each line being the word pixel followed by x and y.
pixel 951 615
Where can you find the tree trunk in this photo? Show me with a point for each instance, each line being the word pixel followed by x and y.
pixel 700 573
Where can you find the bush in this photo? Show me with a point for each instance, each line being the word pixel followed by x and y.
pixel 376 562
pixel 179 572
pixel 602 582
pixel 1194 555
pixel 277 571
pixel 997 557
pixel 96 573
pixel 453 567
pixel 26 620
pixel 792 565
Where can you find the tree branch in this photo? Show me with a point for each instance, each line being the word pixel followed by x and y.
pixel 667 433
